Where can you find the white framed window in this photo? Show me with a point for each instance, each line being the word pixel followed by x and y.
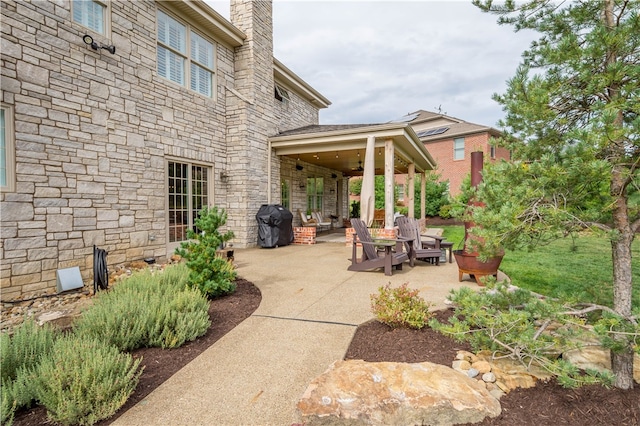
pixel 282 94
pixel 184 56
pixel 188 191
pixel 315 193
pixel 492 152
pixel 400 189
pixel 458 149
pixel 285 193
pixel 93 14
pixel 7 150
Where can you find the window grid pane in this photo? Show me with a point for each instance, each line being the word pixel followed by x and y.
pixel 175 50
pixel 199 195
pixel 170 65
pixel 90 14
pixel 172 33
pixel 200 80
pixel 458 149
pixel 315 192
pixel 201 51
pixel 319 193
pixel 284 194
pixel 178 207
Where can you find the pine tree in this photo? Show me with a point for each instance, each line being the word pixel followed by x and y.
pixel 574 104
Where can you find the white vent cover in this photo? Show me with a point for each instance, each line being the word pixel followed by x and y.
pixel 68 279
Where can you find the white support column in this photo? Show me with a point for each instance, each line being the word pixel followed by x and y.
pixel 423 192
pixel 389 181
pixel 411 187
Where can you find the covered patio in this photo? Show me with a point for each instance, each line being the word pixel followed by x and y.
pixel 342 149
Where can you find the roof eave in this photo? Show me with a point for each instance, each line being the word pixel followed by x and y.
pixel 490 130
pixel 210 20
pixel 405 139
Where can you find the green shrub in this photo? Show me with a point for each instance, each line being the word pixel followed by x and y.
pixel 8 403
pixel 354 208
pixel 147 309
pixel 355 186
pixel 436 193
pixel 400 307
pixel 445 211
pixel 19 357
pixel 182 319
pixel 25 347
pixel 210 273
pixel 85 380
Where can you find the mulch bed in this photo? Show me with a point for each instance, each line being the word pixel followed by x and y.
pixel 545 404
pixel 160 364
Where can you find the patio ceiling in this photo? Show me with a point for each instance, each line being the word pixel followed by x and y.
pixel 342 147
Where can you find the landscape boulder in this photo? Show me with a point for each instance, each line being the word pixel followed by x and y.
pixel 356 392
pixel 597 358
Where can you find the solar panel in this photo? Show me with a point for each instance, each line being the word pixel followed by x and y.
pixel 407 118
pixel 432 132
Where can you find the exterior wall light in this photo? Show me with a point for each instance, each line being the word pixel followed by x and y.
pixel 95 45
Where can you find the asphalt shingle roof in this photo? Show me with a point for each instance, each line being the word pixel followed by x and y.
pixel 320 128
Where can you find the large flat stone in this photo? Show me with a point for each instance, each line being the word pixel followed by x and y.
pixel 355 392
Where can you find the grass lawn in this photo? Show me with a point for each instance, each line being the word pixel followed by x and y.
pixel 581 272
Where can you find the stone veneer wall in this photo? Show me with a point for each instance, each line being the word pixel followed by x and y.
pixel 92 134
pixel 295 113
pixel 298 181
pixel 94 131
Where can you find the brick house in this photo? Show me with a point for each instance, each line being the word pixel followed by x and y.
pixel 120 120
pixel 451 141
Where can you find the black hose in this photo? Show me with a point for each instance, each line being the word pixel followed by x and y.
pixel 100 272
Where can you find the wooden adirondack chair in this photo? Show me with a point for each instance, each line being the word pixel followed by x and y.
pixel 410 230
pixel 371 258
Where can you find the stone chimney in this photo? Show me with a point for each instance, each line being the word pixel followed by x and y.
pixel 251 118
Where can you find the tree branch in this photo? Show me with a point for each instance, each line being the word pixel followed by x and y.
pixel 594 307
pixel 542 328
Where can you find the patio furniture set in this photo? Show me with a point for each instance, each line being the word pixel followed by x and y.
pixel 389 253
pixel 316 220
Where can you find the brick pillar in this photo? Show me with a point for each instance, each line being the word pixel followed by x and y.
pixel 304 235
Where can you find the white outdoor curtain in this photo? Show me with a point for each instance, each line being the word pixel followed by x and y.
pixel 367 193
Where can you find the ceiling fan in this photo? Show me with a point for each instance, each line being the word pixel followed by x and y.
pixel 359 168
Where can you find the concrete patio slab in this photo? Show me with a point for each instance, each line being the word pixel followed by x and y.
pixel 311 306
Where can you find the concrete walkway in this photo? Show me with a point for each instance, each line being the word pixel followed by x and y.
pixel 311 306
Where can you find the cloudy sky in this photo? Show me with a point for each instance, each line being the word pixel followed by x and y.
pixel 379 60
